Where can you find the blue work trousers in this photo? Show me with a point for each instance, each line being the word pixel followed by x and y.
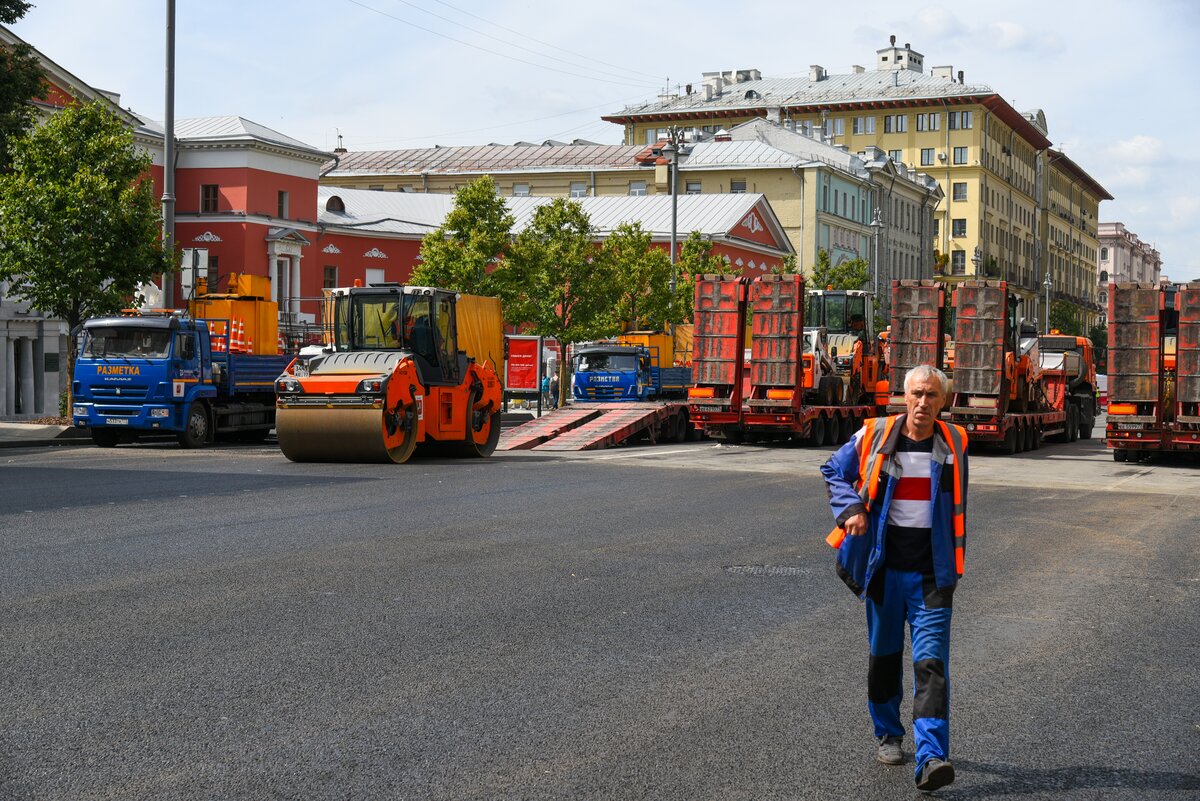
pixel 896 597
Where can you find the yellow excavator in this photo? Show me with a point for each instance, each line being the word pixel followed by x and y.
pixel 396 373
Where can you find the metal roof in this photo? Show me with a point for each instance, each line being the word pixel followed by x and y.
pixel 417 213
pixel 485 159
pixel 865 86
pixel 232 129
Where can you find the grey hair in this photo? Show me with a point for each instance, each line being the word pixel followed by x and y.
pixel 925 372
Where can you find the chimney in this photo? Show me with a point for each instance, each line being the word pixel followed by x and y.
pixel 960 76
pixel 688 89
pixel 893 38
pixel 816 72
pixel 858 70
pixel 946 72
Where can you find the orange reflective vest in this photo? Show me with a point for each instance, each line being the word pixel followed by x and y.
pixel 875 467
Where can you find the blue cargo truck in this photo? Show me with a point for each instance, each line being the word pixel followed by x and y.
pixel 162 375
pixel 610 371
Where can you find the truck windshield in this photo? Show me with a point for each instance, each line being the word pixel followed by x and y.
pixel 129 343
pixel 605 362
pixel 835 321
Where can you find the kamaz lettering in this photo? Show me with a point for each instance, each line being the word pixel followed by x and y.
pixel 118 369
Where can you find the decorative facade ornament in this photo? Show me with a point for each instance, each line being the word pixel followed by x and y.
pixel 752 223
pixel 208 236
pixel 374 253
pixel 331 248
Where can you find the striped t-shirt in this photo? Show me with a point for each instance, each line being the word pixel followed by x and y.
pixel 909 544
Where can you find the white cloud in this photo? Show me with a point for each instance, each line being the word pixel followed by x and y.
pixel 1184 209
pixel 1011 36
pixel 1127 177
pixel 938 23
pixel 1140 149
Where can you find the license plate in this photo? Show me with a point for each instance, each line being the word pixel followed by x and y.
pixel 116 421
pixel 1129 426
pixel 706 408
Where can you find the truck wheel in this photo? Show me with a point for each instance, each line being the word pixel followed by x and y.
pixel 1072 424
pixel 816 431
pixel 825 391
pixel 105 437
pixel 679 427
pixel 1031 436
pixel 1019 437
pixel 195 428
pixel 1010 440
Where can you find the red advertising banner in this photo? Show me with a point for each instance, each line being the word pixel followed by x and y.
pixel 521 367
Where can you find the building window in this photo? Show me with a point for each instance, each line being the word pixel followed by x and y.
pixel 637 188
pixel 520 190
pixel 960 190
pixel 887 123
pixel 839 127
pixel 959 120
pixel 650 137
pixel 935 228
pixel 692 188
pixel 960 155
pixel 935 121
pixel 1104 276
pixel 737 187
pixel 283 205
pixel 208 198
pixel 958 227
pixel 958 262
pixel 926 155
pixel 896 155
pixel 1103 254
pixel 864 125
pixel 579 189
pixel 376 187
pixel 212 273
pixel 330 279
pixel 901 123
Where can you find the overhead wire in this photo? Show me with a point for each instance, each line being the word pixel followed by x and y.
pixel 539 41
pixel 640 85
pixel 518 46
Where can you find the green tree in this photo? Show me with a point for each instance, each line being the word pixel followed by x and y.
pixel 696 258
pixel 1064 316
pixel 790 265
pixel 553 282
pixel 642 276
pixel 79 223
pixel 1099 336
pixel 20 81
pixel 476 234
pixel 850 274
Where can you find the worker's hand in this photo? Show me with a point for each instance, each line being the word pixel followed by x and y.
pixel 856 526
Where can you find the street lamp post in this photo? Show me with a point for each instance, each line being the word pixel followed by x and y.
pixel 671 153
pixel 1049 284
pixel 876 226
pixel 976 259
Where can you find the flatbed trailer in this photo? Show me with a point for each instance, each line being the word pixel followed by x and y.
pixel 998 404
pixel 594 426
pixel 1154 370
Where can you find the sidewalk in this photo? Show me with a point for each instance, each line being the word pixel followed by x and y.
pixel 32 435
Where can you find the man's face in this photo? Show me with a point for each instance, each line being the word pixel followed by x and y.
pixel 925 400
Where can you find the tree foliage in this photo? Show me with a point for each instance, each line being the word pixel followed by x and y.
pixel 476 235
pixel 1065 317
pixel 641 275
pixel 79 223
pixel 553 282
pixel 850 274
pixel 20 81
pixel 696 258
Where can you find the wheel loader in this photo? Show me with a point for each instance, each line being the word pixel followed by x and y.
pixel 390 379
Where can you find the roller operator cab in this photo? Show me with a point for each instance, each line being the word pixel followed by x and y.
pixel 391 378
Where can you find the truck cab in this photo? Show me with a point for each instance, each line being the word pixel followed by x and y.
pixel 140 374
pixel 608 371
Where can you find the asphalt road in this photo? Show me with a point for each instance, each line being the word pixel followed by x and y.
pixel 643 623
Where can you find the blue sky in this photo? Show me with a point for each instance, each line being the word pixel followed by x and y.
pixel 1114 78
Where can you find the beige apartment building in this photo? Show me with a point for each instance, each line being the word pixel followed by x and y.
pixel 1005 190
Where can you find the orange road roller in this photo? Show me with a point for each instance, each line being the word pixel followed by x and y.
pixel 392 378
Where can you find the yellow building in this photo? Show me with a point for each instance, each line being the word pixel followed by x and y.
pixel 989 159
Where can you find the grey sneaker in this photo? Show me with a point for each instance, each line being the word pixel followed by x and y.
pixel 935 774
pixel 889 752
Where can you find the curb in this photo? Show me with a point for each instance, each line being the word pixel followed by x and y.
pixel 29 435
